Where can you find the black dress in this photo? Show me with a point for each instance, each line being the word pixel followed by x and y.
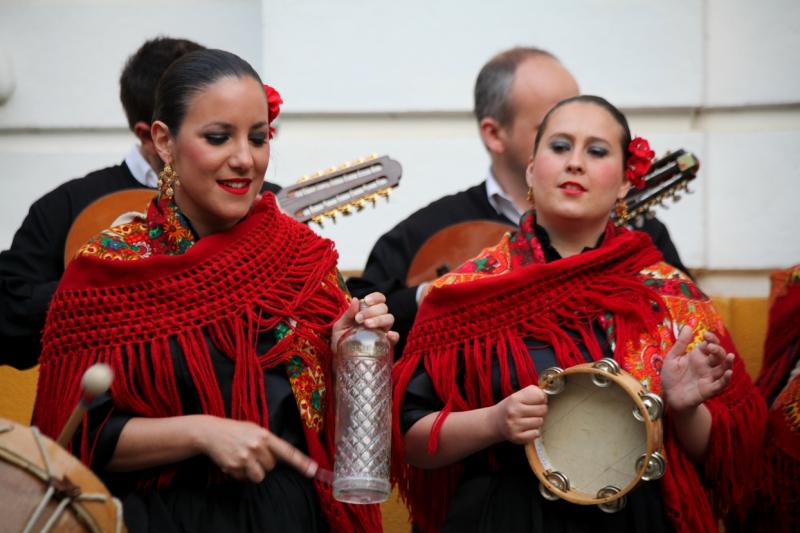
pixel 197 500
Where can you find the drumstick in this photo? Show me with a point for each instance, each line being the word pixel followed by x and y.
pixel 95 382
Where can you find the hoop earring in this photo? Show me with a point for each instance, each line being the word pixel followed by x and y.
pixel 167 179
pixel 621 209
pixel 531 199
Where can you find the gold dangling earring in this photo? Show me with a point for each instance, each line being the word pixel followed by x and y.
pixel 166 180
pixel 531 199
pixel 621 209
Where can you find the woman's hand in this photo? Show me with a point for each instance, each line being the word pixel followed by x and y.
pixel 518 417
pixel 246 451
pixel 375 316
pixel 691 378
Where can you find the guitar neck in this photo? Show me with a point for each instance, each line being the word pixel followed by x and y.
pixel 341 189
pixel 668 177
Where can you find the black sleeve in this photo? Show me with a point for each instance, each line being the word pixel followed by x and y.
pixel 29 274
pixel 105 423
pixel 660 235
pixel 385 272
pixel 420 399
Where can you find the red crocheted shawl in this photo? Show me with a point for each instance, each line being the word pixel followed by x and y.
pixel 266 271
pixel 485 310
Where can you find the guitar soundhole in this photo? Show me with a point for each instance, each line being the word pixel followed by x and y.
pixel 443 269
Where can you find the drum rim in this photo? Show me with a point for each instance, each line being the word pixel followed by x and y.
pixel 653 431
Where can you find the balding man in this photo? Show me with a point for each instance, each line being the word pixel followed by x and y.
pixel 513 92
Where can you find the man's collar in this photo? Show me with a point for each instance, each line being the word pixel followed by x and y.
pixel 500 201
pixel 140 168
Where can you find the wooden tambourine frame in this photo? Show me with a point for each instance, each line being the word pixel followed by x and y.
pixel 579 437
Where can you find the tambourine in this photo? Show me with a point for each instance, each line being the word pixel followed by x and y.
pixel 601 436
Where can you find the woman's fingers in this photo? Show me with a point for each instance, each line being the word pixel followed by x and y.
pixel 374 298
pixel 372 311
pixel 254 471
pixel 525 437
pixel 531 410
pixel 682 342
pixel 293 457
pixel 710 337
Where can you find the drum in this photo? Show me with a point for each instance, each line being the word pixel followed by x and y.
pixel 45 488
pixel 601 436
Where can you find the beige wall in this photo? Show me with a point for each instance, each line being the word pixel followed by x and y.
pixel 713 76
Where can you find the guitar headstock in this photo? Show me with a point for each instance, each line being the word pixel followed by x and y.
pixel 341 189
pixel 668 177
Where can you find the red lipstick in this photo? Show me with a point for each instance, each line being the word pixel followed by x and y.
pixel 235 186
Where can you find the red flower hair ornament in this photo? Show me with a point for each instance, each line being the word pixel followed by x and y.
pixel 274 102
pixel 639 161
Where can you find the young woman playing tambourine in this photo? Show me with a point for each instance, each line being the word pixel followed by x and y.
pixel 566 288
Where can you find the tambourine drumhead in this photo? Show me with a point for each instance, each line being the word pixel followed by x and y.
pixel 26 457
pixel 591 448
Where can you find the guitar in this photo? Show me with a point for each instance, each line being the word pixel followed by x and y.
pixel 450 247
pixel 325 194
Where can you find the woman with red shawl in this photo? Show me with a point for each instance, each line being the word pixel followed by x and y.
pixel 566 288
pixel 776 505
pixel 217 313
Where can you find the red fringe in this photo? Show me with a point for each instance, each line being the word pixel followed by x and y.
pixel 231 286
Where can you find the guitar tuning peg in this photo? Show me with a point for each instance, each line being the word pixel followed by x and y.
pixel 359 204
pixel 359 161
pixel 303 178
pixel 346 210
pixel 371 157
pixel 331 215
pixel 372 198
pixel 344 166
pixel 330 170
pixel 385 192
pixel 318 220
pixel 675 197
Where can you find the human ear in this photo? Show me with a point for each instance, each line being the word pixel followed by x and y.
pixel 162 141
pixel 492 135
pixel 529 172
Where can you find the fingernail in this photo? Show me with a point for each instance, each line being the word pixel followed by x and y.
pixel 359 318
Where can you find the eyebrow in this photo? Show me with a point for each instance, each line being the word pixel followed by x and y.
pixel 571 137
pixel 228 125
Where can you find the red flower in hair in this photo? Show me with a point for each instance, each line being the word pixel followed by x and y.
pixel 639 161
pixel 274 102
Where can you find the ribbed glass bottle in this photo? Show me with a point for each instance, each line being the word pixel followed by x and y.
pixel 363 367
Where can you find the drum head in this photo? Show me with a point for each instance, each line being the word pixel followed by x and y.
pixel 591 436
